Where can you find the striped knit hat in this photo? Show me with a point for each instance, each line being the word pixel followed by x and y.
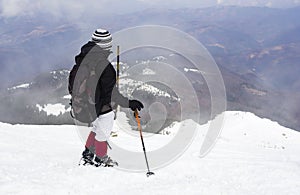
pixel 102 38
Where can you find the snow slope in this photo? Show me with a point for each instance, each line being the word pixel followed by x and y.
pixel 53 109
pixel 252 156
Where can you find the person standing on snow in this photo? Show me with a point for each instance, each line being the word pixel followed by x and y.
pixel 96 145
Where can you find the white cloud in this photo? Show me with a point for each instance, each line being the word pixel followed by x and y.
pixel 74 9
pixel 68 8
pixel 77 8
pixel 13 7
pixel 269 4
pixel 219 2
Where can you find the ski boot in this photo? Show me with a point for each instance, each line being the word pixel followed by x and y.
pixel 87 157
pixel 105 161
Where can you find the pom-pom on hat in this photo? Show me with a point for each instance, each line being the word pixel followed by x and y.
pixel 102 38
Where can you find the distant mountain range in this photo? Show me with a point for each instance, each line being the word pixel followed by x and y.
pixel 242 39
pixel 257 50
pixel 45 99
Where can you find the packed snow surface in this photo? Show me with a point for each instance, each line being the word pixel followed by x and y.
pixel 251 156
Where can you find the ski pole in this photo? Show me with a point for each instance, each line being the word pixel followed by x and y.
pixel 118 65
pixel 116 107
pixel 136 114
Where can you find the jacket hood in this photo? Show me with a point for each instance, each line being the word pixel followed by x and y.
pixel 94 51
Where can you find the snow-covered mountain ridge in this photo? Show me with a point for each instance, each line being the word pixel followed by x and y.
pixel 40 96
pixel 251 156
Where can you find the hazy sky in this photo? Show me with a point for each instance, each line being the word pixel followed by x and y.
pixel 75 8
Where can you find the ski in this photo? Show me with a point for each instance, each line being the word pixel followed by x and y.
pixel 111 164
pixel 83 162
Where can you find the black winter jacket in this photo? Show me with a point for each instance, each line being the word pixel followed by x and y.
pixel 106 92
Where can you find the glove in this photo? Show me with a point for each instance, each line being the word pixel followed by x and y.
pixel 135 104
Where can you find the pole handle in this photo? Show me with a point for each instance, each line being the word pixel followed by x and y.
pixel 137 118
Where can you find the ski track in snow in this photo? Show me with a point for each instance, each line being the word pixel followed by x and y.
pixel 252 156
